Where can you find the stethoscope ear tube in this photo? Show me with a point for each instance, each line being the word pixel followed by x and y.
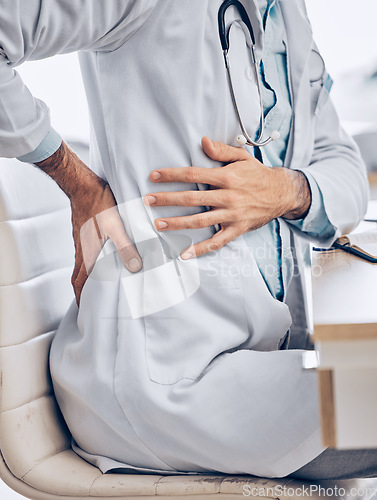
pixel 221 20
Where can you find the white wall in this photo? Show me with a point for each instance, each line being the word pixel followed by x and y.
pixel 346 33
pixel 57 81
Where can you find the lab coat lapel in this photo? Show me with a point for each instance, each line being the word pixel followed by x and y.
pixel 253 12
pixel 299 37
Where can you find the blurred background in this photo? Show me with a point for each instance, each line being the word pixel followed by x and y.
pixel 346 37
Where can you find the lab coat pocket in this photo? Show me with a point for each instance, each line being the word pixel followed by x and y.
pixel 320 82
pixel 181 341
pixel 320 92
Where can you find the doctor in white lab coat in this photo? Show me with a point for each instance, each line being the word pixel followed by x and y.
pixel 176 366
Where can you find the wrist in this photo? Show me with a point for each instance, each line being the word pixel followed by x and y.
pixel 70 173
pixel 298 195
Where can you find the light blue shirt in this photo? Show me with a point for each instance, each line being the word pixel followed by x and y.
pixel 272 241
pixel 50 144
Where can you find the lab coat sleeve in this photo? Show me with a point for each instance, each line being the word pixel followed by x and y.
pixel 316 223
pixel 340 174
pixel 36 29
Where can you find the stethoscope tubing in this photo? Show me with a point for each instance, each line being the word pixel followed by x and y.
pixel 224 40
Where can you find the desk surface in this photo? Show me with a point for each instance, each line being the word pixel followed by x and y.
pixel 344 295
pixel 345 310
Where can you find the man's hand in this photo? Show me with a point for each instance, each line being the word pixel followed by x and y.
pixel 244 196
pixel 91 200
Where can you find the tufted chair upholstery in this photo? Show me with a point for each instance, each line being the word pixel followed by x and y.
pixel 36 258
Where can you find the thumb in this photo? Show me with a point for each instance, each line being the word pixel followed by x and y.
pixel 126 249
pixel 219 151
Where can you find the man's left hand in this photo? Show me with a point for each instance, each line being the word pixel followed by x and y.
pixel 244 196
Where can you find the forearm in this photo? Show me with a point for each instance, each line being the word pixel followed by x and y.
pixel 296 186
pixel 69 172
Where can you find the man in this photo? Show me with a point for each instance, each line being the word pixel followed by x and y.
pixel 173 362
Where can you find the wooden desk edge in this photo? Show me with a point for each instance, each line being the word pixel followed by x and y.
pixel 351 331
pixel 327 407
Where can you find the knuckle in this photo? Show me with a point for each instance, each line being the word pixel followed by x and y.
pixel 191 198
pixel 199 252
pixel 202 197
pixel 180 223
pixel 229 179
pixel 244 228
pixel 214 246
pixel 232 177
pixel 201 221
pixel 230 197
pixel 80 281
pixel 162 199
pixel 222 148
pixel 120 238
pixel 74 275
pixel 127 249
pixel 233 216
pixel 192 174
pixel 242 212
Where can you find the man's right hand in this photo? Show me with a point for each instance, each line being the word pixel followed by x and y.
pixel 91 200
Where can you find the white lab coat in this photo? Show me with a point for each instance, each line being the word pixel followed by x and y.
pixel 176 368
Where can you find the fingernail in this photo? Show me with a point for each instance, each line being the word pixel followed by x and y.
pixel 187 255
pixel 150 200
pixel 134 265
pixel 161 224
pixel 155 176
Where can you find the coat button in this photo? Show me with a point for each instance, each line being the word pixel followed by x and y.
pixel 250 73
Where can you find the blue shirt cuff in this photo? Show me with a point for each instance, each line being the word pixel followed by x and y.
pixel 316 222
pixel 50 144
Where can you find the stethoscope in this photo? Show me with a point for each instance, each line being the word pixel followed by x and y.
pixel 245 24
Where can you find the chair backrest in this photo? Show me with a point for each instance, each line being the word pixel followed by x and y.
pixel 36 262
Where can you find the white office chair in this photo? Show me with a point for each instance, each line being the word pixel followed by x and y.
pixel 36 259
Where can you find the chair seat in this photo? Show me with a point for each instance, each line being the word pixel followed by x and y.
pixel 67 475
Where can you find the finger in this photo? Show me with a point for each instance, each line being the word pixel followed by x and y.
pixel 193 175
pixel 218 240
pixel 219 151
pixel 213 198
pixel 113 226
pixel 79 282
pixel 76 269
pixel 91 240
pixel 78 255
pixel 197 221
